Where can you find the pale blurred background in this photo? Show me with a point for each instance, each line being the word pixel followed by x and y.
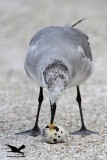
pixel 20 19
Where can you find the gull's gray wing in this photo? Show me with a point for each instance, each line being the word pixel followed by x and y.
pixel 75 36
pixel 83 40
pixel 67 44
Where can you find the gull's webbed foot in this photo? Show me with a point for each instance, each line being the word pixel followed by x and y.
pixel 33 132
pixel 83 131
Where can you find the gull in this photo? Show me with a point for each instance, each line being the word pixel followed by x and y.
pixel 59 58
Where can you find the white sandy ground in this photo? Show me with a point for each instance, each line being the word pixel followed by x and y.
pixel 19 20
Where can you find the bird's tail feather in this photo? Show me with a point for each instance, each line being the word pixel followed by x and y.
pixel 77 22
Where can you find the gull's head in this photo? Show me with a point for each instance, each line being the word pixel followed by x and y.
pixel 56 79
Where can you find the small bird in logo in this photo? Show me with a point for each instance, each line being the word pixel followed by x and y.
pixel 15 149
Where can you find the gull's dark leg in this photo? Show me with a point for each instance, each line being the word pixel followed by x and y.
pixel 40 100
pixel 35 131
pixel 83 129
pixel 53 110
pixel 80 109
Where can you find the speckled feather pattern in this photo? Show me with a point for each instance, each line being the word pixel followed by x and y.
pixel 56 134
pixel 56 79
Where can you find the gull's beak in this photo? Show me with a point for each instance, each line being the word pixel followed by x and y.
pixel 53 110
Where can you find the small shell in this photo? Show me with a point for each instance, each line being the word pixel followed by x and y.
pixel 53 134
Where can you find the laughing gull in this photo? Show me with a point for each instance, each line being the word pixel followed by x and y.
pixel 59 58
